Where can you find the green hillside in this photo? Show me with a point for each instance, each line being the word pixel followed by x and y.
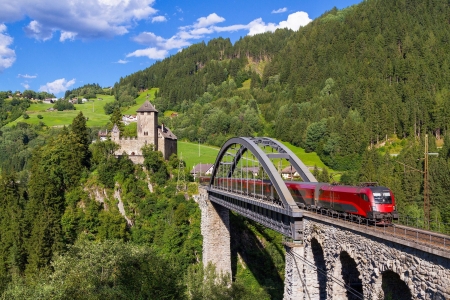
pixel 145 95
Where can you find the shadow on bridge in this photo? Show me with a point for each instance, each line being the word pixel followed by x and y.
pixel 265 262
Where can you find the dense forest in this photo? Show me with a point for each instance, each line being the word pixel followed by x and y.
pixel 355 86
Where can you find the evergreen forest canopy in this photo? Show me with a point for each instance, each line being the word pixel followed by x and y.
pixel 342 86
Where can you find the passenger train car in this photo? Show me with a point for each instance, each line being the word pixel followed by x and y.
pixel 375 203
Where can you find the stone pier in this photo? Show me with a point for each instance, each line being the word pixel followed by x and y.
pixel 294 282
pixel 215 228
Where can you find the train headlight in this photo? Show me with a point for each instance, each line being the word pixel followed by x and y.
pixel 374 208
pixel 393 207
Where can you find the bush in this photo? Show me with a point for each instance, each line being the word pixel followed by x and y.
pixel 40 117
pixel 26 116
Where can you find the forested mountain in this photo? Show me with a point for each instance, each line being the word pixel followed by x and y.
pixel 348 82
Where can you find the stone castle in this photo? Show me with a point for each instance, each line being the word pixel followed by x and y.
pixel 148 133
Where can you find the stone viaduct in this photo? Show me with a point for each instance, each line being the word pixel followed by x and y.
pixel 338 260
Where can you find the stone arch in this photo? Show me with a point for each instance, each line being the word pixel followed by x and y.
pixel 316 279
pixel 389 285
pixel 346 270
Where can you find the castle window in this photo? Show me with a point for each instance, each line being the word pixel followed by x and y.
pixel 145 132
pixel 132 153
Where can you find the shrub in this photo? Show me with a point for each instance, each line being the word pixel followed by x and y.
pixel 40 117
pixel 26 116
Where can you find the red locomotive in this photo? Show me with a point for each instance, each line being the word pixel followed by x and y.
pixel 375 203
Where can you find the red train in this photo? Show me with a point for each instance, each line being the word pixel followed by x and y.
pixel 375 203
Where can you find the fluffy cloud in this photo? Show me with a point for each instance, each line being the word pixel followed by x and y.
pixel 37 31
pixel 152 53
pixel 208 21
pixel 279 11
pixel 66 35
pixel 7 55
pixel 57 86
pixel 25 85
pixel 159 19
pixel 151 39
pixel 295 20
pixel 122 61
pixel 27 76
pixel 80 19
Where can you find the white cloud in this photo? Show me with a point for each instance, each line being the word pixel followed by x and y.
pixel 37 31
pixel 151 39
pixel 57 86
pixel 82 19
pixel 25 85
pixel 122 61
pixel 159 19
pixel 295 20
pixel 67 35
pixel 208 21
pixel 7 55
pixel 152 53
pixel 27 76
pixel 280 10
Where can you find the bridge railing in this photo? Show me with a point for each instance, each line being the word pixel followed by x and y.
pixel 420 223
pixel 420 236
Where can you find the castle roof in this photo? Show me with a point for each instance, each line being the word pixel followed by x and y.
pixel 146 107
pixel 166 133
pixel 115 129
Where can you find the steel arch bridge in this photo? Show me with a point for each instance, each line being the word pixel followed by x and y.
pixel 246 180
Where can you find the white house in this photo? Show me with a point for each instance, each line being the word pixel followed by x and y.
pixel 289 173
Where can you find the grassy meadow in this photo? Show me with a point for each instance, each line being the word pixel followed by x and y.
pixel 93 110
pixel 189 152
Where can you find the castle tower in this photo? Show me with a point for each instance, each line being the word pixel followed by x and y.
pixel 115 133
pixel 147 124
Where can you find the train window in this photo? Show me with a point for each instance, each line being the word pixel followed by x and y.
pixel 364 197
pixel 382 198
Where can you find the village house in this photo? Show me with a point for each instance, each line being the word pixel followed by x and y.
pixel 202 169
pixel 127 119
pixel 250 171
pixel 289 173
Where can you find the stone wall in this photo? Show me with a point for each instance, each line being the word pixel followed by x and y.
pixel 215 228
pixel 129 146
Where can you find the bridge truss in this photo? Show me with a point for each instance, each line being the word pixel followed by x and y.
pixel 246 180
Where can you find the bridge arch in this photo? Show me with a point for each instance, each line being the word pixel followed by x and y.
pixel 252 145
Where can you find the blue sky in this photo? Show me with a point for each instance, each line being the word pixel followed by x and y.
pixel 58 45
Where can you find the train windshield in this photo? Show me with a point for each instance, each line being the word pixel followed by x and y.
pixel 382 197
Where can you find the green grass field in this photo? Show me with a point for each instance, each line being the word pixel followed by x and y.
pixel 189 152
pixel 140 100
pixel 93 110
